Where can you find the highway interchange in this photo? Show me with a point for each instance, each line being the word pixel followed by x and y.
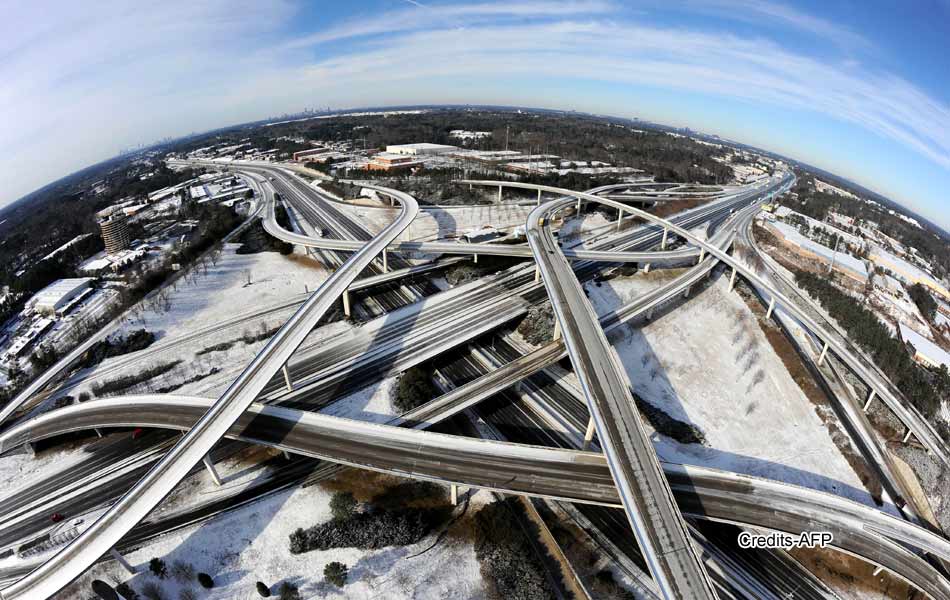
pixel 408 315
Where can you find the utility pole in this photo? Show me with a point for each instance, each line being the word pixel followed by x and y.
pixel 506 138
pixel 834 255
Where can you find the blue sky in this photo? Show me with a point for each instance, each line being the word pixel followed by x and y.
pixel 859 88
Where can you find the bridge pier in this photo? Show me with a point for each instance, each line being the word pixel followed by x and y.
pixel 211 470
pixel 539 198
pixel 96 429
pixel 877 571
pixel 619 218
pixel 499 194
pixel 385 261
pixel 455 495
pixel 121 560
pixel 663 243
pixel 650 314
pixel 732 280
pixel 702 255
pixel 557 329
pixel 824 352
pixel 537 273
pixel 867 404
pixel 907 435
pixel 646 269
pixel 475 258
pixel 589 434
pixel 287 380
pixel 768 313
pixel 686 292
pixel 579 206
pixel 346 303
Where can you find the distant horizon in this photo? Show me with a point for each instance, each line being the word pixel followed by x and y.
pixel 354 109
pixel 859 93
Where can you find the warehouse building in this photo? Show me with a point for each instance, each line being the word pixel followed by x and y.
pixel 386 161
pixel 305 155
pixel 926 352
pixel 61 295
pixel 421 149
pixel 852 268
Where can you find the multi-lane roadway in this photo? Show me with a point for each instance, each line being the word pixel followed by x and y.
pixel 630 458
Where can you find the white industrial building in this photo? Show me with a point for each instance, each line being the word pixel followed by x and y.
pixel 419 149
pixel 926 352
pixel 59 296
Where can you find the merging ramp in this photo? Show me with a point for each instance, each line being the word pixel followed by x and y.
pixel 135 505
pixel 567 475
pixel 647 499
pixel 908 415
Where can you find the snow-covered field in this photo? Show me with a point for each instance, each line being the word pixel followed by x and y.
pixel 441 223
pixel 827 188
pixel 708 363
pixel 251 544
pixel 222 290
pixel 219 294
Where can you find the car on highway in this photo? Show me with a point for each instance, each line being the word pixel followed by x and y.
pixel 56 517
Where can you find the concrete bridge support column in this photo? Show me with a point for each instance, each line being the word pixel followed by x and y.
pixel 96 429
pixel 589 434
pixel 121 560
pixel 211 470
pixel 877 571
pixel 579 206
pixel 539 198
pixel 537 273
pixel 385 261
pixel 646 269
pixel 665 234
pixel 732 280
pixel 867 404
pixel 619 218
pixel 768 313
pixel 346 303
pixel 455 495
pixel 686 292
pixel 650 314
pixel 499 194
pixel 287 380
pixel 557 329
pixel 907 435
pixel 475 258
pixel 702 255
pixel 824 352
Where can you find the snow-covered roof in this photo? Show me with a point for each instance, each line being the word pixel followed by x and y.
pixel 840 258
pixel 929 350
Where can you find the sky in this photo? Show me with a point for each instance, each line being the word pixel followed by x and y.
pixel 857 87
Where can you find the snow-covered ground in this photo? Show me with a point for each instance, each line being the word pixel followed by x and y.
pixel 218 295
pixel 222 290
pixel 251 544
pixel 827 188
pixel 708 363
pixel 442 223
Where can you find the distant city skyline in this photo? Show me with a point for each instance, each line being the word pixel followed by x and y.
pixel 858 91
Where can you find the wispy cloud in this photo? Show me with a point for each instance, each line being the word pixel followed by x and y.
pixel 450 15
pixel 755 70
pixel 82 85
pixel 767 13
